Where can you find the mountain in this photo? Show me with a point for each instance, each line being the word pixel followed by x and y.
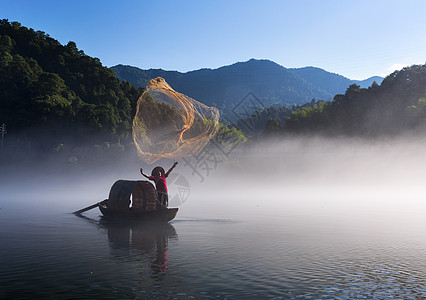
pixel 226 86
pixel 271 83
pixel 331 82
pixel 369 81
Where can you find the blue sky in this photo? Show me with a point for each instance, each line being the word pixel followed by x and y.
pixel 356 39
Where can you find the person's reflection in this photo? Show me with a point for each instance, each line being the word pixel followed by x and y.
pixel 154 242
pixel 150 241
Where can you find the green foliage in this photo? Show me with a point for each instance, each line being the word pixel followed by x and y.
pixel 394 107
pixel 44 84
pixel 304 117
pixel 230 135
pixel 273 127
pixel 272 119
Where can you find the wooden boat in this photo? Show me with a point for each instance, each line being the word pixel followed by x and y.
pixel 160 215
pixel 145 205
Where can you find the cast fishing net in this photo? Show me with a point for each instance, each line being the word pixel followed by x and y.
pixel 171 125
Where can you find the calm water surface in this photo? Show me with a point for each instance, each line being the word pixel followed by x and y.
pixel 312 255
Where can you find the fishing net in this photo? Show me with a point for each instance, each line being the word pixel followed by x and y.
pixel 171 125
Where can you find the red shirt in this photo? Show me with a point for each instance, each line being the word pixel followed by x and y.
pixel 160 183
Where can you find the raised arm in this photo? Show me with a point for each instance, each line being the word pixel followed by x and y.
pixel 171 169
pixel 144 173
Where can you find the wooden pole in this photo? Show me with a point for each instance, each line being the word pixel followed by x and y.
pixel 85 209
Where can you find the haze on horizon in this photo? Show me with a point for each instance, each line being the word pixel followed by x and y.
pixel 357 39
pixel 302 176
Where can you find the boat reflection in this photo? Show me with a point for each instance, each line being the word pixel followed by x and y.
pixel 145 243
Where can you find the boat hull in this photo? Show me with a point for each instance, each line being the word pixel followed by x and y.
pixel 162 215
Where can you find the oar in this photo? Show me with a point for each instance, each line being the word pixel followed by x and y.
pixel 85 209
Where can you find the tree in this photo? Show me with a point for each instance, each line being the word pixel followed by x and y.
pixel 273 127
pixel 43 81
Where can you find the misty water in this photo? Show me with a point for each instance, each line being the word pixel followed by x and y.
pixel 304 219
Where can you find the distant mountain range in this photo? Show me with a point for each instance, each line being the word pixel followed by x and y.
pixel 271 83
pixel 331 82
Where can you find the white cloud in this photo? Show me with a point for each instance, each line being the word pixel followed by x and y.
pixel 392 68
pixel 398 66
pixel 395 67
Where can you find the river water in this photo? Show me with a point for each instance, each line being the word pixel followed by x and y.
pixel 311 241
pixel 373 255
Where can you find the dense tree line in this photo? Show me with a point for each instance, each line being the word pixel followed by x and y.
pixel 396 106
pixel 51 90
pixel 264 118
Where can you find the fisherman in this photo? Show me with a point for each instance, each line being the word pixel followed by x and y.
pixel 159 177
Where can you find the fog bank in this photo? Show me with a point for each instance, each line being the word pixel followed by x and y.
pixel 298 175
pixel 330 174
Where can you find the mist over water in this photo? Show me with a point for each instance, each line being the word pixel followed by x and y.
pixel 304 175
pixel 292 174
pixel 303 217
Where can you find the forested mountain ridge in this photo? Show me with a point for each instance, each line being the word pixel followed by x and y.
pixel 59 90
pixel 273 84
pixel 397 106
pixel 226 86
pixel 331 82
